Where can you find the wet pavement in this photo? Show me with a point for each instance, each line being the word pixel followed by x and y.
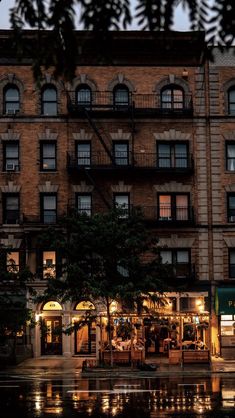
pixel 44 393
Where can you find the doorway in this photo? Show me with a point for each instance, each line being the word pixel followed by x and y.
pixel 51 341
pixel 85 339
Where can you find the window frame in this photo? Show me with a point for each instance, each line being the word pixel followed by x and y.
pixel 16 167
pixel 42 196
pixel 42 158
pixel 119 103
pixel 231 266
pixel 77 143
pixel 172 155
pixel 174 263
pixel 229 102
pixel 53 266
pixel 229 209
pixel 85 103
pixel 173 207
pixel 45 102
pixel 5 101
pixel 173 104
pixel 81 211
pixel 227 158
pixel 115 204
pixel 116 143
pixel 5 219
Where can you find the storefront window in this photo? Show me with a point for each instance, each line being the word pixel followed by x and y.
pixel 228 325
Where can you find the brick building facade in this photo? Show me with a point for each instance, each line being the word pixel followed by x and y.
pixel 149 123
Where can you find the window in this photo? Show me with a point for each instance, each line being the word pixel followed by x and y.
pixel 83 95
pixel 84 204
pixel 11 156
pixel 172 97
pixel 13 262
pixel 121 95
pixel 231 207
pixel 232 263
pixel 49 208
pixel 83 153
pixel 49 264
pixel 231 101
pixel 173 207
pixel 48 156
pixel 122 202
pixel 172 155
pixel 11 211
pixel 11 100
pixel 49 101
pixel 230 157
pixel 178 260
pixel 121 153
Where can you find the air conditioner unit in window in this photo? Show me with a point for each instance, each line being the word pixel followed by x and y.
pixel 11 167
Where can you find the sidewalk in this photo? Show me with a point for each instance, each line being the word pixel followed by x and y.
pixel 73 365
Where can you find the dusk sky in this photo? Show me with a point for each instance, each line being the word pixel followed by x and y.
pixel 5 5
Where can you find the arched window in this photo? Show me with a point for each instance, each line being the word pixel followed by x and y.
pixel 121 95
pixel 85 305
pixel 172 97
pixel 11 99
pixel 52 305
pixel 231 101
pixel 83 95
pixel 49 100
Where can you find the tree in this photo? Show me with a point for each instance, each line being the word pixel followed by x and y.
pixel 109 257
pixel 216 18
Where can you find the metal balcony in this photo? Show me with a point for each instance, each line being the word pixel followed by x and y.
pixel 139 104
pixel 182 164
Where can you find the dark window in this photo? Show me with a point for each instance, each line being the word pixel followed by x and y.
pixel 49 101
pixel 231 207
pixel 231 101
pixel 11 211
pixel 49 208
pixel 121 153
pixel 232 263
pixel 172 97
pixel 84 204
pixel 83 153
pixel 178 261
pixel 172 155
pixel 11 100
pixel 230 157
pixel 48 156
pixel 121 95
pixel 122 202
pixel 11 156
pixel 173 207
pixel 83 95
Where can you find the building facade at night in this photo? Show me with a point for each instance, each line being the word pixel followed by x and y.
pixel 151 124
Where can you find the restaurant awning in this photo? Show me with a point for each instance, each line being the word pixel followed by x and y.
pixel 225 301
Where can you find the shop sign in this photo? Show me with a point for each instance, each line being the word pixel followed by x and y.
pixel 225 301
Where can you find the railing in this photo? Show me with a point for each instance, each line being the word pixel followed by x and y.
pixel 104 100
pixel 149 213
pixel 137 160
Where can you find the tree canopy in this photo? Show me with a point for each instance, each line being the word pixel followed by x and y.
pixel 215 17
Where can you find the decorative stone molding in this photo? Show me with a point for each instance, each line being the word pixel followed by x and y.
pixel 47 135
pixel 10 135
pixel 171 135
pixel 172 187
pixel 48 79
pixel 120 79
pixel 11 188
pixel 11 79
pixel 82 135
pixel 121 188
pixel 230 242
pixel 48 187
pixel 230 188
pixel 229 135
pixel 176 241
pixel 82 188
pixel 11 242
pixel 120 135
pixel 83 79
pixel 172 79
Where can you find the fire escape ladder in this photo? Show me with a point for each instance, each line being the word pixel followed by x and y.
pixel 99 136
pixel 90 178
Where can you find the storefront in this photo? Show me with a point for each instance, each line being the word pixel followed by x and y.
pixel 225 309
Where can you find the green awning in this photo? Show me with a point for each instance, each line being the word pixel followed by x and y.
pixel 225 301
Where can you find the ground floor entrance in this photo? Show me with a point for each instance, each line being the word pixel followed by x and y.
pixel 51 335
pixel 85 339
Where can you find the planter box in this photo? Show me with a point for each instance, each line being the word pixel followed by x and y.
pixel 196 356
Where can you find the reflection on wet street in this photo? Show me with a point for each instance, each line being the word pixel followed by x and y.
pixel 41 396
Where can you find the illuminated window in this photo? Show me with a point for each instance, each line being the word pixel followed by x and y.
pixel 85 305
pixel 173 207
pixel 13 264
pixel 49 264
pixel 52 305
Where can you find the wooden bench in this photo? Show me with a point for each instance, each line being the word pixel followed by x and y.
pixel 195 356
